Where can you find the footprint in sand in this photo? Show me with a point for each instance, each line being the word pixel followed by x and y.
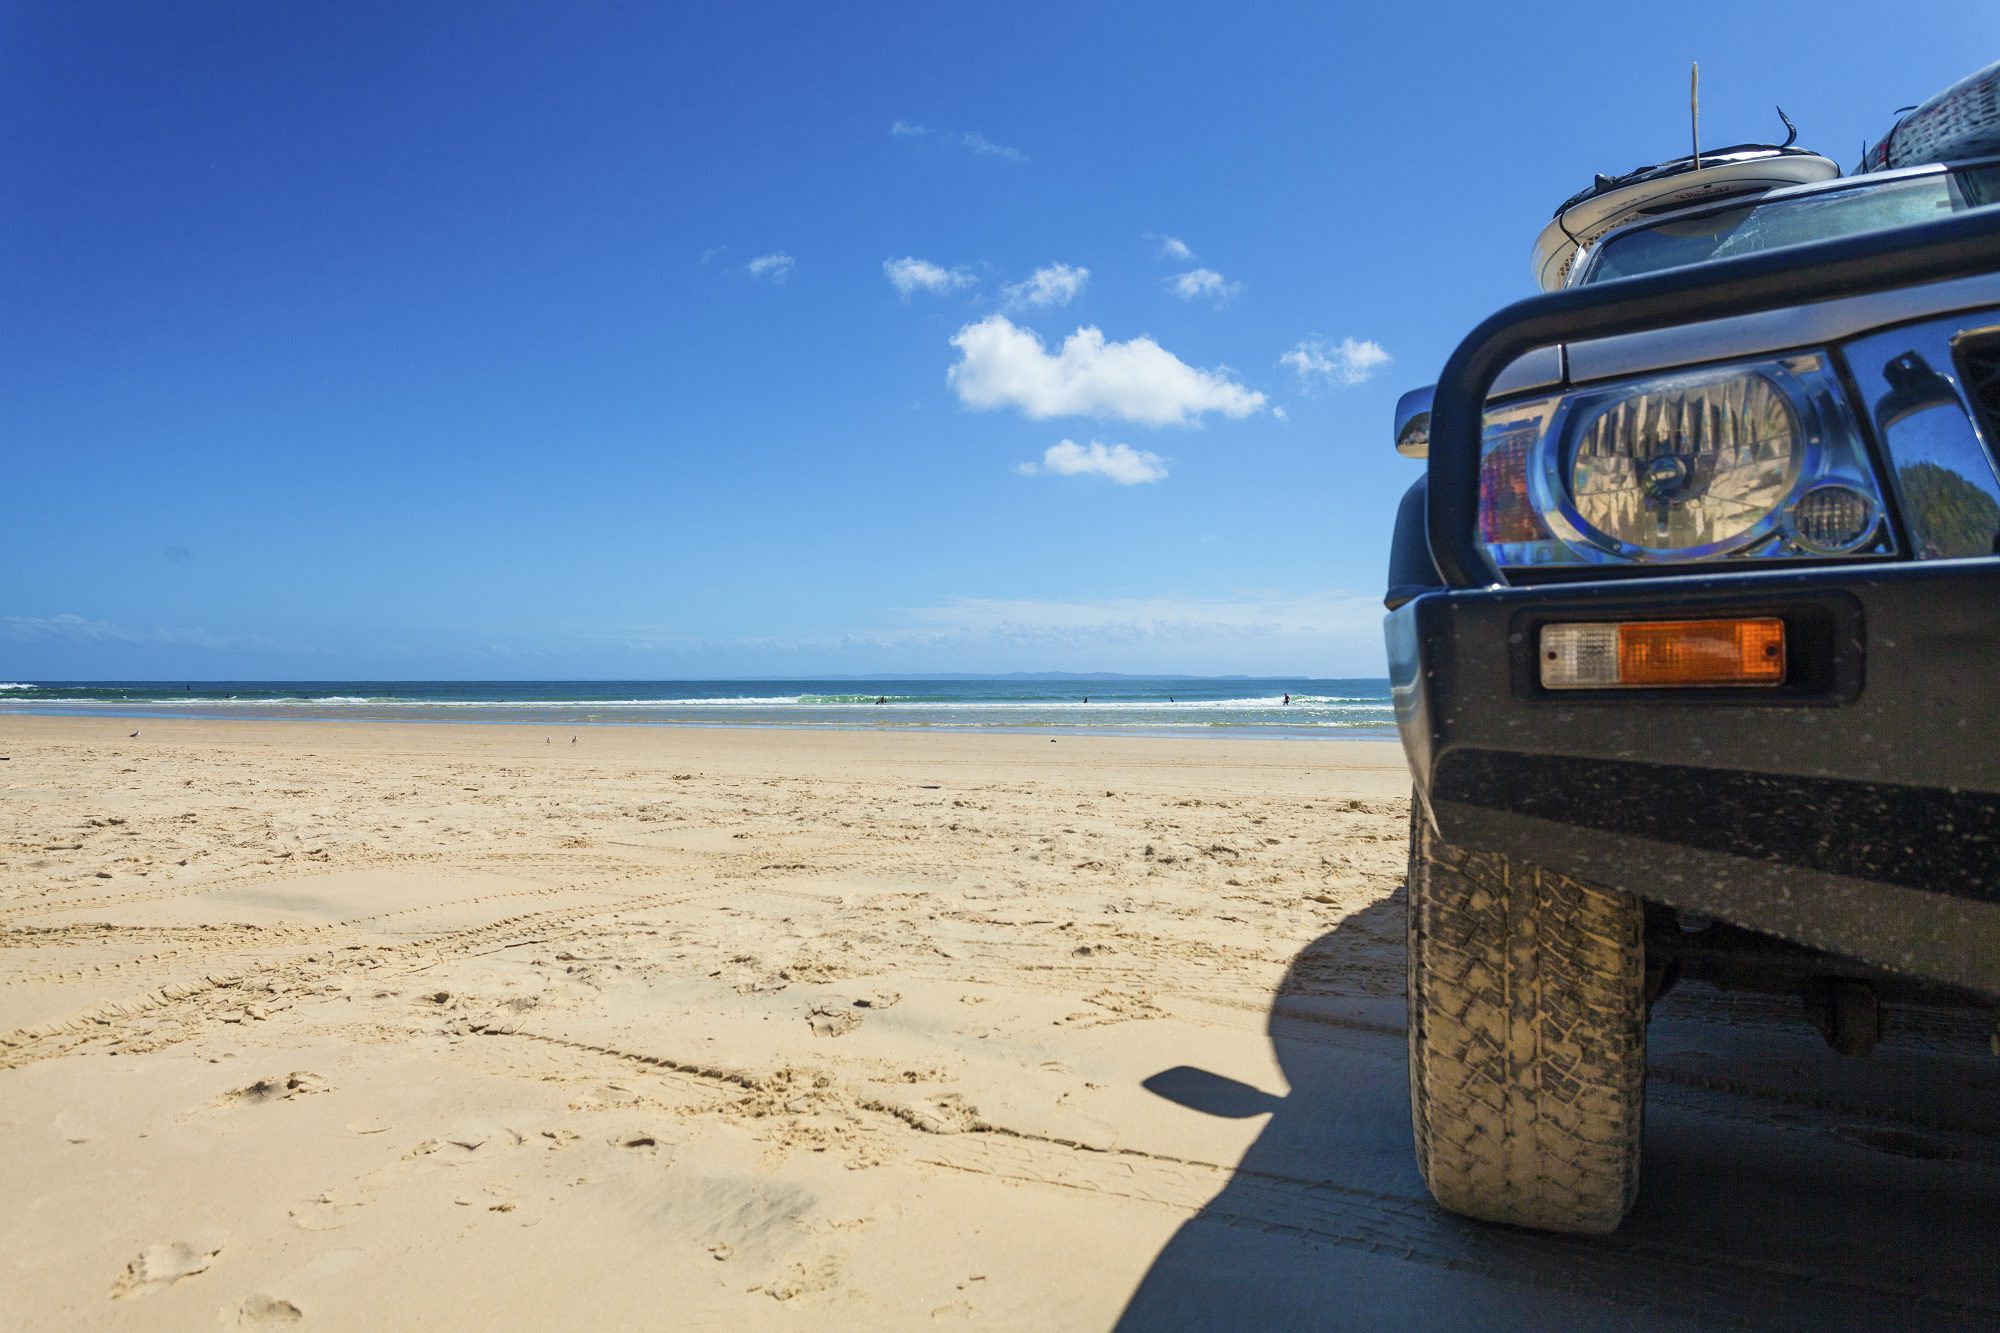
pixel 832 1019
pixel 329 1211
pixel 261 1311
pixel 298 1083
pixel 165 1264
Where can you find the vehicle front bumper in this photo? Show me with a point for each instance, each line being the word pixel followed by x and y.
pixel 1855 810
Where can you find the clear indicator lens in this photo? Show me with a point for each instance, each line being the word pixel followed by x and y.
pixel 1833 518
pixel 1685 464
pixel 1579 657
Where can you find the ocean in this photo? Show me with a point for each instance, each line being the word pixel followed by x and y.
pixel 1121 705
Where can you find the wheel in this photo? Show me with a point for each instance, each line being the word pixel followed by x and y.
pixel 1527 1039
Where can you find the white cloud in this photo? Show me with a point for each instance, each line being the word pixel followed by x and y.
pixel 1348 362
pixel 1003 365
pixel 1174 248
pixel 1116 462
pixel 1281 414
pixel 774 267
pixel 713 253
pixel 70 628
pixel 1204 282
pixel 972 141
pixel 1053 285
pixel 920 275
pixel 985 147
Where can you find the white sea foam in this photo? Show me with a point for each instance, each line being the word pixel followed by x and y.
pixel 14 685
pixel 771 702
pixel 1334 714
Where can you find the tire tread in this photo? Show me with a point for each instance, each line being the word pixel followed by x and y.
pixel 1527 1039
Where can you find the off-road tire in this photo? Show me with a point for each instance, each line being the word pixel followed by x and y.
pixel 1527 1039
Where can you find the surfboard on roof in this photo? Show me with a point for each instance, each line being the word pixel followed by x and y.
pixel 1668 187
pixel 1962 121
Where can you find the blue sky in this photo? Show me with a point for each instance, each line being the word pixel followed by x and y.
pixel 613 340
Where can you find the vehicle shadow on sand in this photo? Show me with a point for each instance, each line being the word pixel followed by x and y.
pixel 1783 1186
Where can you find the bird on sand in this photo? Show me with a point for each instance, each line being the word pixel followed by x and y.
pixel 135 734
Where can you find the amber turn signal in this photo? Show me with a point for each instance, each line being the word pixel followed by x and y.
pixel 1651 654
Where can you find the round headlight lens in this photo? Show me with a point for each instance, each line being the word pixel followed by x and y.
pixel 1686 463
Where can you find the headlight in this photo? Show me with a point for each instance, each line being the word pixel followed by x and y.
pixel 1686 463
pixel 1754 459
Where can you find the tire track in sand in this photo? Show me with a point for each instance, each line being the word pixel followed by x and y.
pixel 1707 1283
pixel 208 998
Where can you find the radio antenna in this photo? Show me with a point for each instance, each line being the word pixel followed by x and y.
pixel 1694 109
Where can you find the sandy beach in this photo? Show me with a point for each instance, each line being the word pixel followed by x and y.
pixel 360 1025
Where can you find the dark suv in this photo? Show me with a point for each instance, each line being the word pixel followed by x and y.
pixel 1695 649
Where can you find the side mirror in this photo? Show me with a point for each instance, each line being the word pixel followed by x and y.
pixel 1413 423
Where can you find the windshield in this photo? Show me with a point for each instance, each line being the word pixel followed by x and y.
pixel 1752 227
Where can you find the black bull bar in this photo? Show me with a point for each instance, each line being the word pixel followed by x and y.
pixel 1955 247
pixel 1888 819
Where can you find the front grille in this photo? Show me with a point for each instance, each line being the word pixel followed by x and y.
pixel 1979 368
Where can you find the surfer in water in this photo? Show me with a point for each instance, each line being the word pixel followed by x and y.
pixel 1288 701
